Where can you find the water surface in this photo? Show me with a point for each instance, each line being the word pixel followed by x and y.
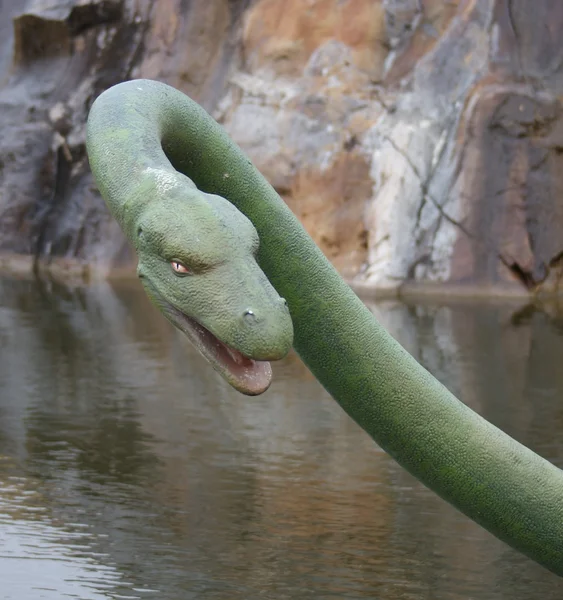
pixel 128 469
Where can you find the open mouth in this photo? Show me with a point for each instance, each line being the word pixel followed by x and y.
pixel 248 376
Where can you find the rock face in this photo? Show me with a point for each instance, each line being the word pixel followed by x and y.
pixel 420 142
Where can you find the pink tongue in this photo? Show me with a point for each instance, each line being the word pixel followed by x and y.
pixel 254 377
pixel 237 357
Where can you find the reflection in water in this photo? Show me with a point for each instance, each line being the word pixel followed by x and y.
pixel 128 469
pixel 37 555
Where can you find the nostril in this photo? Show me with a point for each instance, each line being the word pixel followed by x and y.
pixel 249 315
pixel 284 302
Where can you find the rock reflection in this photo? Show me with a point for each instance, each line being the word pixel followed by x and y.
pixel 146 476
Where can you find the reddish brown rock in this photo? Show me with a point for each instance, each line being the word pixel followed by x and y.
pixel 281 35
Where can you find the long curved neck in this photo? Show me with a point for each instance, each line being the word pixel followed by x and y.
pixel 499 483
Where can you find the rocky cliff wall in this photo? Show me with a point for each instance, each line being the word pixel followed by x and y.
pixel 419 141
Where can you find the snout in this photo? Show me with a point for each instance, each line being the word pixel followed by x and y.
pixel 266 330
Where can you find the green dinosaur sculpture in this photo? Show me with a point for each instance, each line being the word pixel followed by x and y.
pixel 196 261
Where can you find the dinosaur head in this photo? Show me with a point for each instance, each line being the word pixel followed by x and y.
pixel 197 264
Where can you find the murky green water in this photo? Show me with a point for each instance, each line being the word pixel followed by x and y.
pixel 129 470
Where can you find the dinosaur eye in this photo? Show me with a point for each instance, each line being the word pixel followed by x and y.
pixel 179 268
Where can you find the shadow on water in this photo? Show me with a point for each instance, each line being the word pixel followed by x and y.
pixel 129 469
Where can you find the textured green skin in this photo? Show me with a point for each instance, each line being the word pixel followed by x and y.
pixel 167 218
pixel 502 485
